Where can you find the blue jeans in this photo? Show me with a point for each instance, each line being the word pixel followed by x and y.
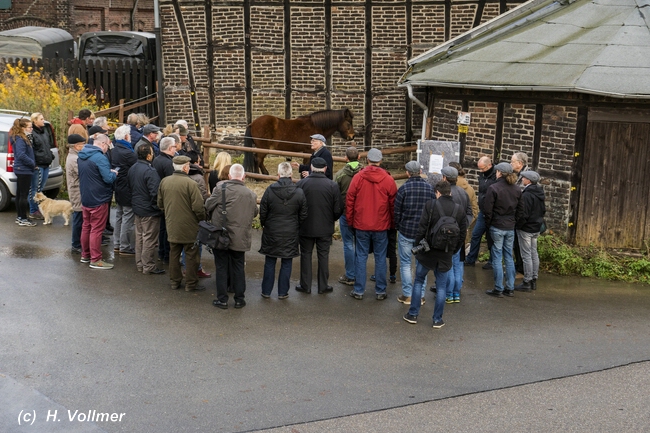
pixel 404 246
pixel 420 281
pixel 77 224
pixel 502 251
pixel 380 245
pixel 475 245
pixel 455 280
pixel 38 182
pixel 348 247
pixel 283 278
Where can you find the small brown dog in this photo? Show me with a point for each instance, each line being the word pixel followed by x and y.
pixel 51 208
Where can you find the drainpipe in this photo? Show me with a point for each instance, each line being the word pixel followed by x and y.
pixel 421 105
pixel 159 71
pixel 133 12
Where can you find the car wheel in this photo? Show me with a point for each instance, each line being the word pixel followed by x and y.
pixel 52 193
pixel 5 197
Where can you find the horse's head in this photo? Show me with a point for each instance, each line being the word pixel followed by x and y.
pixel 345 127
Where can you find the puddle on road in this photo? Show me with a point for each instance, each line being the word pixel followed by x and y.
pixel 30 252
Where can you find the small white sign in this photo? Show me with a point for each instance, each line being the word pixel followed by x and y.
pixel 435 164
pixel 464 118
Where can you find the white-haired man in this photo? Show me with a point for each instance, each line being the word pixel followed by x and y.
pixel 122 158
pixel 237 218
pixel 164 165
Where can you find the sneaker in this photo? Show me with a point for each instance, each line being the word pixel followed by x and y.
pixel 345 280
pixel 509 293
pixel 495 293
pixel 283 296
pixel 422 301
pixel 381 296
pixel 356 295
pixel 36 215
pixel 411 319
pixel 373 278
pixel 105 242
pixel 202 274
pixel 26 223
pixel 456 299
pixel 449 300
pixel 393 279
pixel 18 220
pixel 487 266
pixel 127 253
pixel 85 259
pixel 433 288
pixel 438 325
pixel 404 299
pixel 101 265
pixel 74 250
pixel 116 248
pixel 265 296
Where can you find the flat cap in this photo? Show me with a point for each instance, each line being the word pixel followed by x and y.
pixel 149 128
pixel 531 175
pixel 318 163
pixel 504 167
pixel 95 129
pixel 413 167
pixel 181 159
pixel 319 137
pixel 449 172
pixel 75 138
pixel 374 155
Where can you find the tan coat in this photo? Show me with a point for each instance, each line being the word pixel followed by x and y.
pixel 179 197
pixel 72 178
pixel 473 200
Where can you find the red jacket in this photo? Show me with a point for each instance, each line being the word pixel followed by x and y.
pixel 370 201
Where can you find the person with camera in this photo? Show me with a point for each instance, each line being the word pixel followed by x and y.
pixel 433 250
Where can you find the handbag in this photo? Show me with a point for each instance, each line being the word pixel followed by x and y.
pixel 212 236
pixel 542 228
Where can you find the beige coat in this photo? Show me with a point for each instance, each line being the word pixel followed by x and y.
pixel 72 178
pixel 241 206
pixel 473 200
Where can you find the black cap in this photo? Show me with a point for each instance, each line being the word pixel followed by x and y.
pixel 95 129
pixel 75 139
pixel 318 162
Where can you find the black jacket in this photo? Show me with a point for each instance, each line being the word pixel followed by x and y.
pixel 485 179
pixel 437 258
pixel 123 157
pixel 144 182
pixel 531 215
pixel 323 205
pixel 282 210
pixel 43 142
pixel 324 153
pixel 501 204
pixel 163 165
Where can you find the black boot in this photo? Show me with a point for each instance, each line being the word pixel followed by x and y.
pixel 525 286
pixel 533 284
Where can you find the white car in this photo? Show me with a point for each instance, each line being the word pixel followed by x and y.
pixel 7 176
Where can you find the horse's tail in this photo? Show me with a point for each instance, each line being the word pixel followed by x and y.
pixel 250 162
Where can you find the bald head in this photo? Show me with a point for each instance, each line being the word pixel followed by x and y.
pixel 484 164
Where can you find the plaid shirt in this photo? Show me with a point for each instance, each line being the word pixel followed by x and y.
pixel 409 204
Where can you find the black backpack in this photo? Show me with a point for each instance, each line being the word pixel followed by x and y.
pixel 445 234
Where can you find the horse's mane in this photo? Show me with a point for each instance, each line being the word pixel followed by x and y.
pixel 326 119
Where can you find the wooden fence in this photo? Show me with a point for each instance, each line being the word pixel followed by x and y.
pixel 110 81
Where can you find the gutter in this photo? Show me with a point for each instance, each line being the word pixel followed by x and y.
pixel 421 104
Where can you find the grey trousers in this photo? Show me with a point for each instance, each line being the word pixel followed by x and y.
pixel 528 249
pixel 123 232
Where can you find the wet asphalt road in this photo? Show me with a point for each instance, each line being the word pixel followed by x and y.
pixel 569 357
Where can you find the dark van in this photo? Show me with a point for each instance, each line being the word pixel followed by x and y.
pixel 140 46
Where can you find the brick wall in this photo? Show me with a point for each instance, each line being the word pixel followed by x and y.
pixel 79 16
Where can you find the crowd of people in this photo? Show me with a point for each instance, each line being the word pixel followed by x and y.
pixel 157 180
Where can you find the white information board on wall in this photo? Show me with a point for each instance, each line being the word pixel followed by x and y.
pixel 433 155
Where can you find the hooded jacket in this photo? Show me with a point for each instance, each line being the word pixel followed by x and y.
pixel 323 205
pixel 371 199
pixel 95 177
pixel 43 142
pixel 343 178
pixel 24 162
pixel 531 215
pixel 123 157
pixel 282 209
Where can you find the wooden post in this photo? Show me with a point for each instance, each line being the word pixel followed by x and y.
pixel 120 113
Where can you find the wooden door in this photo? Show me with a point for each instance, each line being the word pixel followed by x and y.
pixel 615 185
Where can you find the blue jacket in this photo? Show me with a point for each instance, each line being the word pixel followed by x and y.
pixel 123 157
pixel 95 177
pixel 136 134
pixel 24 162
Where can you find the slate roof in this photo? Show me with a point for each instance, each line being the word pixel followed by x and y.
pixel 587 46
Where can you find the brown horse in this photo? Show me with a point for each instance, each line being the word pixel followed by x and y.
pixel 269 132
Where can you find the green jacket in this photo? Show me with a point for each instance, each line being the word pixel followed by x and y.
pixel 181 201
pixel 343 178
